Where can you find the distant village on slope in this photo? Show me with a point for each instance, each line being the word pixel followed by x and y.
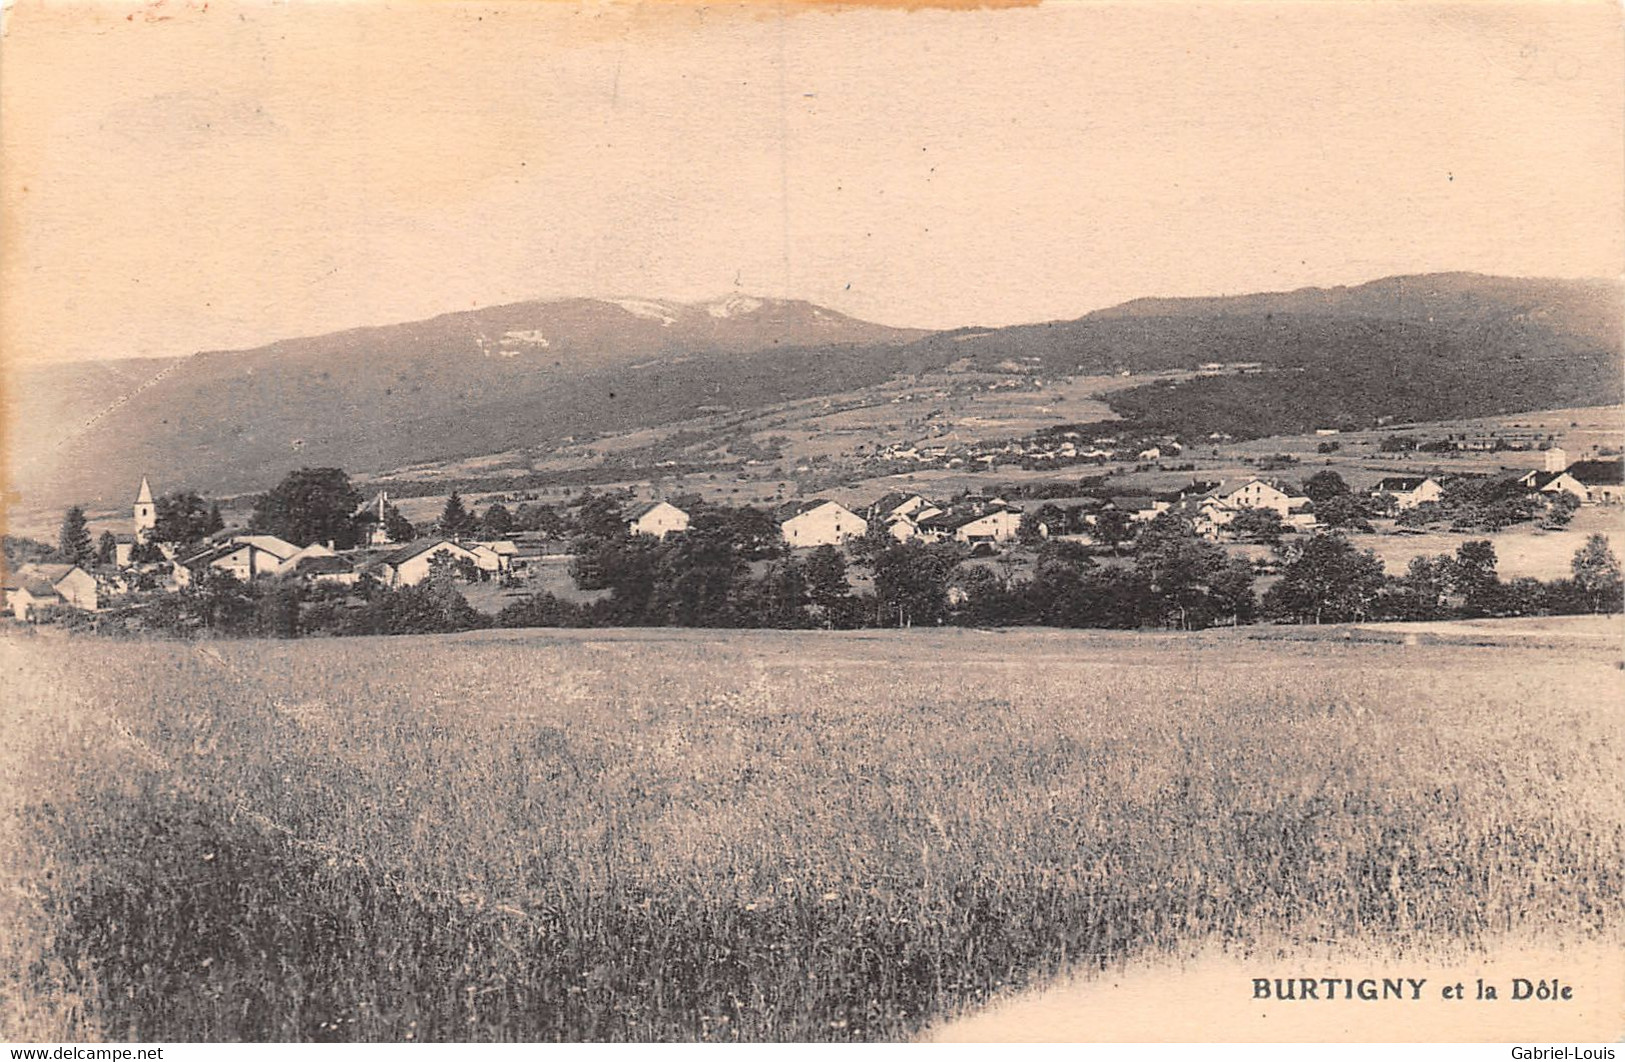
pixel 178 551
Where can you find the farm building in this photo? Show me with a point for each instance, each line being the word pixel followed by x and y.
pixel 820 522
pixel 245 557
pixel 325 571
pixel 36 586
pixel 1257 494
pixel 998 525
pixel 1601 481
pixel 1409 491
pixel 657 519
pixel 410 565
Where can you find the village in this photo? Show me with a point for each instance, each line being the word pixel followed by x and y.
pixel 508 554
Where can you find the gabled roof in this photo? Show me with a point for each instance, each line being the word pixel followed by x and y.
pixel 209 554
pixel 327 565
pixel 1399 484
pixel 1598 473
pixel 893 500
pixel 414 549
pixel 1132 502
pixel 648 507
pixel 791 510
pixel 279 548
pixel 51 574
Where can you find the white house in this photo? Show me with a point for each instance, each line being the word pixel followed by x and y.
pixel 1256 494
pixel 245 558
pixel 1602 481
pixel 1409 491
pixel 820 522
pixel 36 586
pixel 410 565
pixel 998 525
pixel 487 559
pixel 657 519
pixel 285 552
pixel 899 503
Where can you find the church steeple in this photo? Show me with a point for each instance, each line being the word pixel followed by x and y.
pixel 146 513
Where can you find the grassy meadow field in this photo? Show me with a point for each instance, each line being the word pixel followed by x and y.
pixel 697 835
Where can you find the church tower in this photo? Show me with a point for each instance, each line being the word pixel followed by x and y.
pixel 146 513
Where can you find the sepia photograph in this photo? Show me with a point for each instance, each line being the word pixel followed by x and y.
pixel 894 521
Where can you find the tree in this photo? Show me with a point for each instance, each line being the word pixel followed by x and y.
pixel 107 548
pixel 1473 576
pixel 1113 527
pixel 397 527
pixel 1560 509
pixel 1179 570
pixel 1326 580
pixel 497 522
pixel 216 521
pixel 455 519
pixel 1342 510
pixel 826 577
pixel 911 583
pixel 310 505
pixel 1258 525
pixel 182 518
pixel 1597 574
pixel 1323 485
pixel 73 540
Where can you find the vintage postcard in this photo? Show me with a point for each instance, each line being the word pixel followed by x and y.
pixel 880 521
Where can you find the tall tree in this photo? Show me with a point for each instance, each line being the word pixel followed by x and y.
pixel 73 540
pixel 398 527
pixel 182 518
pixel 1474 577
pixel 310 505
pixel 1326 580
pixel 1324 485
pixel 107 548
pixel 497 521
pixel 1597 574
pixel 455 519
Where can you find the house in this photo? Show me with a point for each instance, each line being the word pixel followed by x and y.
pixel 245 558
pixel 506 548
pixel 410 565
pixel 902 528
pixel 123 549
pixel 898 503
pixel 1140 507
pixel 1409 491
pixel 996 525
pixel 1257 494
pixel 327 570
pixel 820 522
pixel 36 586
pixel 315 549
pixel 1600 480
pixel 487 559
pixel 1553 483
pixel 657 519
pixel 283 551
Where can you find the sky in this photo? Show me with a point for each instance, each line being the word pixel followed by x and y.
pixel 179 176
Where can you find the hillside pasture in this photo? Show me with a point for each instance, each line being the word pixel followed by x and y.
pixel 656 835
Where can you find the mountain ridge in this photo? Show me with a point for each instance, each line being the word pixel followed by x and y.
pixel 525 376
